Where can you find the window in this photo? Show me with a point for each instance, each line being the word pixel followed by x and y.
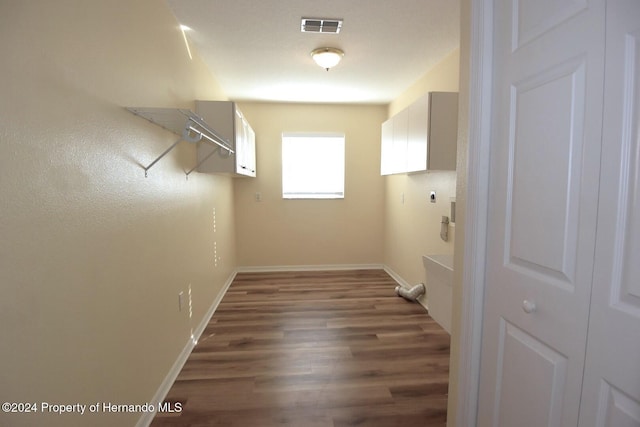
pixel 312 166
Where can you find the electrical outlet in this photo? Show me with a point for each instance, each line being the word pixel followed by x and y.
pixel 258 197
pixel 432 197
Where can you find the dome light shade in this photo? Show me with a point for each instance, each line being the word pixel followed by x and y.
pixel 327 57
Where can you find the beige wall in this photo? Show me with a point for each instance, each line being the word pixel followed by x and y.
pixel 277 232
pixel 92 254
pixel 412 224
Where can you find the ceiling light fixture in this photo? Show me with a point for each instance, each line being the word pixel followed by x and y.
pixel 327 57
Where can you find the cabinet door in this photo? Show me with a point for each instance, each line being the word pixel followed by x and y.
pixel 386 151
pixel 249 150
pixel 244 146
pixel 443 130
pixel 239 130
pixel 400 131
pixel 417 132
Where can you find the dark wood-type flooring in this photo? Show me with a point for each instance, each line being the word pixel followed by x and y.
pixel 314 349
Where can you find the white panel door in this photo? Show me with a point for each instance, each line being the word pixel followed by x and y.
pixel 545 160
pixel 611 392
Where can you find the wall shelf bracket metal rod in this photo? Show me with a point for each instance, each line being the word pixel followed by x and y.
pixel 161 156
pixel 215 150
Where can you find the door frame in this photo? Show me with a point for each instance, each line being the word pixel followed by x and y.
pixel 476 212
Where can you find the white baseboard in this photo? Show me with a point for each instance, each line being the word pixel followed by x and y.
pixel 395 276
pixel 320 267
pixel 147 417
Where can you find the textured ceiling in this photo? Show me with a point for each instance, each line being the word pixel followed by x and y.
pixel 257 52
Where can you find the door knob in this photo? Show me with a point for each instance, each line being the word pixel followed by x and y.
pixel 528 306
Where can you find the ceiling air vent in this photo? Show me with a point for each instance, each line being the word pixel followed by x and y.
pixel 319 25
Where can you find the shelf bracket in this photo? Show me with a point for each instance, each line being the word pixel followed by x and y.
pixel 214 151
pixel 194 130
pixel 161 156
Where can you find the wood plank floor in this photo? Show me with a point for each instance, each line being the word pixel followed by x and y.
pixel 314 349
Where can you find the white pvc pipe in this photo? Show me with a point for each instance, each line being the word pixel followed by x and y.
pixel 411 294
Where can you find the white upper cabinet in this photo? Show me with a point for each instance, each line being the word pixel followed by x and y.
pixel 230 123
pixel 422 137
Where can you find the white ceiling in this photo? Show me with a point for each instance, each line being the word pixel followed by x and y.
pixel 256 50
